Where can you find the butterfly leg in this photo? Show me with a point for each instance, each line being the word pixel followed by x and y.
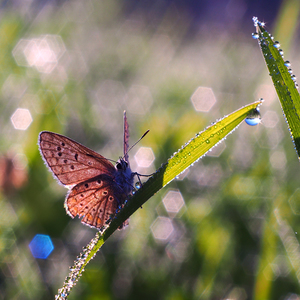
pixel 138 175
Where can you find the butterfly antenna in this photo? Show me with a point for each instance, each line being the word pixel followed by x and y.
pixel 136 142
pixel 114 161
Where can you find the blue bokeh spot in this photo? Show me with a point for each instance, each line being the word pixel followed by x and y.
pixel 41 246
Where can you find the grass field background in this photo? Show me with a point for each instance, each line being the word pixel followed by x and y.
pixel 228 227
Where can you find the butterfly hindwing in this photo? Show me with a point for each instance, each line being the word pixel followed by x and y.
pixel 94 200
pixel 71 162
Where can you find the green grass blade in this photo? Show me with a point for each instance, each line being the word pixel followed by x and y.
pixel 180 161
pixel 191 152
pixel 284 82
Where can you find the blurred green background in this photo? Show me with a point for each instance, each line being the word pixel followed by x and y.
pixel 228 227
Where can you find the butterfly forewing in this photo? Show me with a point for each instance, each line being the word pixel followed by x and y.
pixel 96 200
pixel 71 162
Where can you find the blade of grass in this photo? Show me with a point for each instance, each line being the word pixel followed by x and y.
pixel 191 152
pixel 283 80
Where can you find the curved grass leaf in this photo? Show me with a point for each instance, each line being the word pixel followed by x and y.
pixel 283 80
pixel 191 152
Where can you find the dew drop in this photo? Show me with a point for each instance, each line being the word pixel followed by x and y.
pixel 294 78
pixel 254 117
pixel 276 44
pixel 287 63
pixel 137 185
pixel 255 35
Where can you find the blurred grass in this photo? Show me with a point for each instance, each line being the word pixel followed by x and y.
pixel 236 236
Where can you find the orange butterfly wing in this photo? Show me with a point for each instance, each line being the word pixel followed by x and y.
pixel 71 162
pixel 94 200
pixel 94 195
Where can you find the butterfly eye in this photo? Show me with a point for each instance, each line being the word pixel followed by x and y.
pixel 119 166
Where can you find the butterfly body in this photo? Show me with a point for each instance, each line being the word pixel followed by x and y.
pixel 97 188
pixel 124 176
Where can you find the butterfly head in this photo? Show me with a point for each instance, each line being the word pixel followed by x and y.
pixel 122 165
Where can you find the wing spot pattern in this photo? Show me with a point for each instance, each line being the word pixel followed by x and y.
pixel 94 194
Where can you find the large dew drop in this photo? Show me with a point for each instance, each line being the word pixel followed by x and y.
pixel 254 118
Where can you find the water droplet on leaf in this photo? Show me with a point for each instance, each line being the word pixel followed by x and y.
pixel 287 63
pixel 254 118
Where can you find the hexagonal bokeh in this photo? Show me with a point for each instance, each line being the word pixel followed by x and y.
pixel 42 53
pixel 270 119
pixel 294 202
pixel 173 202
pixel 203 99
pixel 162 228
pixel 144 157
pixel 21 118
pixel 41 246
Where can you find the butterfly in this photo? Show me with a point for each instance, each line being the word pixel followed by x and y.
pixel 97 187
